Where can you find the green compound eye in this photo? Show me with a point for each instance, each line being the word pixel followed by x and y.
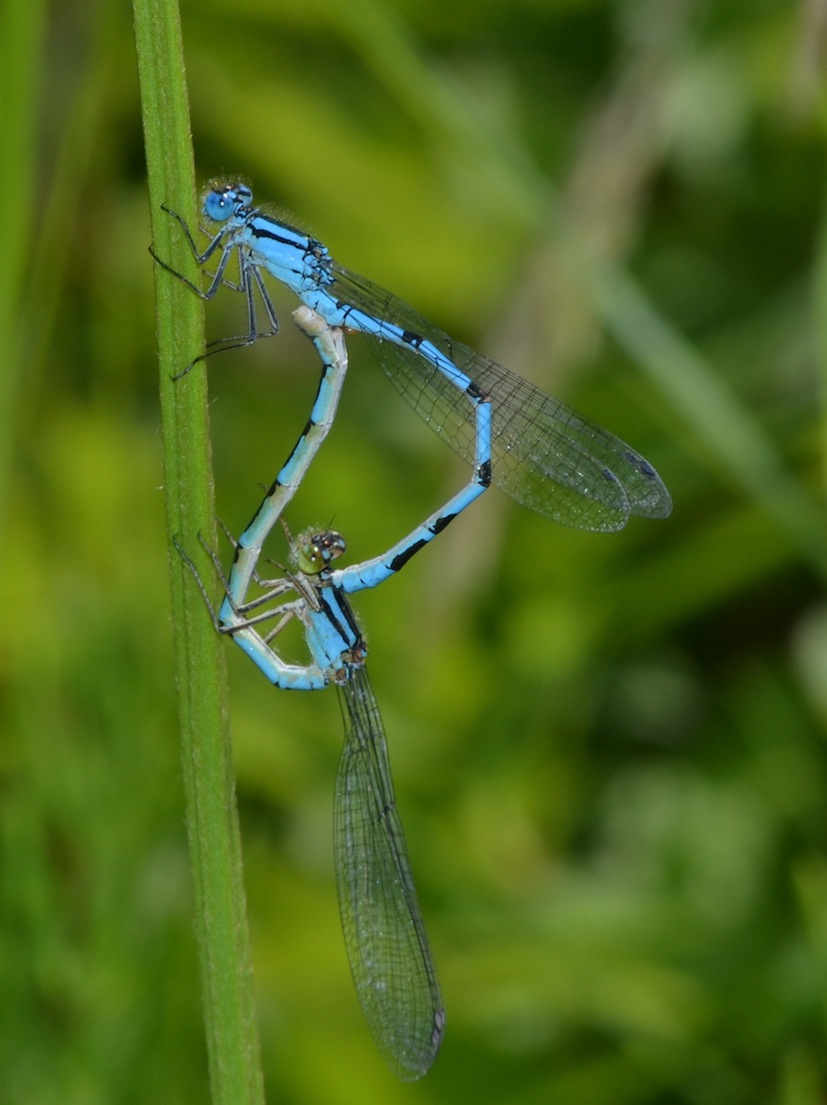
pixel 309 559
pixel 314 551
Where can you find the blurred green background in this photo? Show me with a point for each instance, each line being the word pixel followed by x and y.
pixel 608 750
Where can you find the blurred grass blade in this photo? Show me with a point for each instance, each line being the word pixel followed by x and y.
pixel 740 451
pixel 21 44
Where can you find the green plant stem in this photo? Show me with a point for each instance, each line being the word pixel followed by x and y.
pixel 212 822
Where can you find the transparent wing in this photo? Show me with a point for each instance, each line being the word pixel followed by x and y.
pixel 545 455
pixel 390 959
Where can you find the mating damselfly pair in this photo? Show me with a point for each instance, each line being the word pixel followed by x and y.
pixel 532 446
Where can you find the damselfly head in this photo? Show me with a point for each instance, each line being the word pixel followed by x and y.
pixel 314 551
pixel 224 199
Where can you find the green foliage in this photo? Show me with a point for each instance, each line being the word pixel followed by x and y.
pixel 609 751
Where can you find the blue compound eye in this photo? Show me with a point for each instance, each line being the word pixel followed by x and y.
pixel 218 206
pixel 227 200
